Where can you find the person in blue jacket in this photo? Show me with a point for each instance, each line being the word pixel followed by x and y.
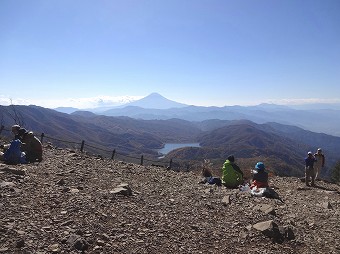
pixel 260 176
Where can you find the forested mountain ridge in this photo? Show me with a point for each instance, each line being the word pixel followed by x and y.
pixel 323 118
pixel 283 147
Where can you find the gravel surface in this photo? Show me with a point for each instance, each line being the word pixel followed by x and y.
pixel 76 203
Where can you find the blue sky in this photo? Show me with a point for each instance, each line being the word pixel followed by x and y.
pixel 202 52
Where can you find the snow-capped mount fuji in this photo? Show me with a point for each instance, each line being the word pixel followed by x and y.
pixel 152 101
pixel 155 101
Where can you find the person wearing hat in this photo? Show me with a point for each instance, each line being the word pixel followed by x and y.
pixel 232 176
pixel 31 145
pixel 320 161
pixel 15 128
pixel 12 152
pixel 309 169
pixel 18 131
pixel 260 176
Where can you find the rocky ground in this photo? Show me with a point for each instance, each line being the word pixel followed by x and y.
pixel 74 203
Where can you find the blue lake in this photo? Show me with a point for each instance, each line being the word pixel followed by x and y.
pixel 168 147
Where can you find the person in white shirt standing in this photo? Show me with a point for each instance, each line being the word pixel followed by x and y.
pixel 320 162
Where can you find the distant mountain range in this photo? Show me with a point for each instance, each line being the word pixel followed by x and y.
pixel 156 107
pixel 152 101
pixel 282 147
pixel 317 106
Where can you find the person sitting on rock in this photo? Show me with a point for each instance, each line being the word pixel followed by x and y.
pixel 31 145
pixel 15 130
pixel 232 176
pixel 260 176
pixel 18 131
pixel 13 154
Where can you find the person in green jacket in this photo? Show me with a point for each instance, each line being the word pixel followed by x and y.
pixel 232 176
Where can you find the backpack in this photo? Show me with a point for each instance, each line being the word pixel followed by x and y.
pixel 215 180
pixel 13 154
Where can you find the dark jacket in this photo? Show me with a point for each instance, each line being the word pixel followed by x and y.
pixel 261 176
pixel 310 162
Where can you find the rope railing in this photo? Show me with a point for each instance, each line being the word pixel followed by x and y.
pixel 56 139
pixel 83 144
pixel 104 150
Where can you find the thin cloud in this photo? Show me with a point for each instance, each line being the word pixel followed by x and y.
pixel 304 101
pixel 81 103
pixel 113 101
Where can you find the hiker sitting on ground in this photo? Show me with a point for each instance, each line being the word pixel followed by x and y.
pixel 309 169
pixel 260 176
pixel 31 145
pixel 15 130
pixel 18 132
pixel 232 176
pixel 13 154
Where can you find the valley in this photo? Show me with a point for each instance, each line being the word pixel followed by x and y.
pixel 281 147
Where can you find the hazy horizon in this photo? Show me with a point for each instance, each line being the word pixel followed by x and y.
pixel 111 102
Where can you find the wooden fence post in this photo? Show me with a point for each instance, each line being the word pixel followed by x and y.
pixel 82 146
pixel 1 129
pixel 113 154
pixel 170 164
pixel 142 160
pixel 42 137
